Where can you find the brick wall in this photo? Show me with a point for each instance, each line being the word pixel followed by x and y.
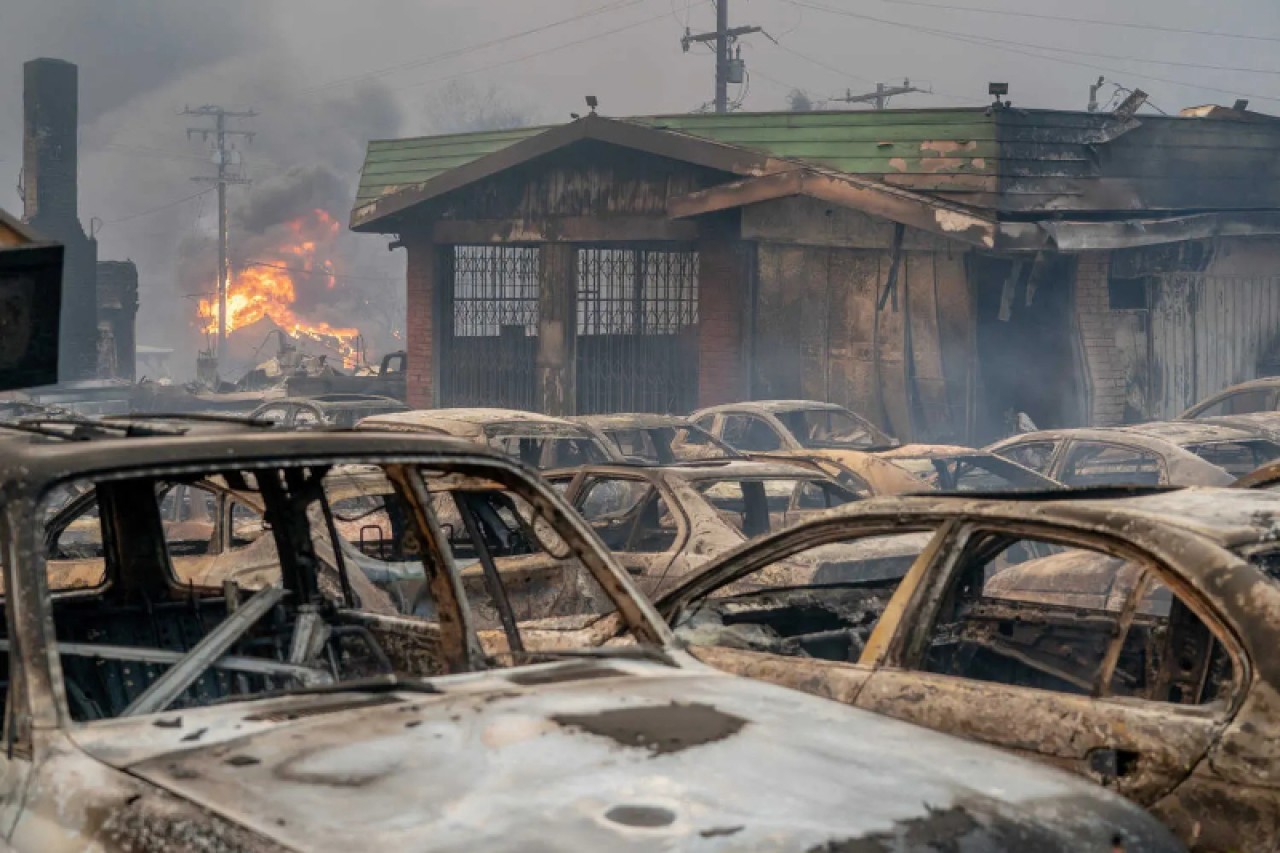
pixel 420 305
pixel 1105 379
pixel 722 287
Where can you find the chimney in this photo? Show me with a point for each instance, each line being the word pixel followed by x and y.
pixel 49 160
pixel 49 190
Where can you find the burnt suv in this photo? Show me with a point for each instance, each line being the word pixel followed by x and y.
pixel 157 701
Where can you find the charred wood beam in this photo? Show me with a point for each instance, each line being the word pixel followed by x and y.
pixel 570 229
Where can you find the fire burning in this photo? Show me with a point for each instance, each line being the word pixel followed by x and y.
pixel 265 287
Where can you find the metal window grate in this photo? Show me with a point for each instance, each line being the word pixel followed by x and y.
pixel 491 294
pixel 637 317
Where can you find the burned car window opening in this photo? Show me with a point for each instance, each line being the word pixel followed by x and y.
pixel 820 601
pixel 1030 612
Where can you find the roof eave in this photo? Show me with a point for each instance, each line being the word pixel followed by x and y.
pixel 870 197
pixel 373 216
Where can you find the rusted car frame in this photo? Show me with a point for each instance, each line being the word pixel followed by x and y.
pixel 770 425
pixel 540 441
pixel 697 531
pixel 917 467
pixel 1178 453
pixel 1256 395
pixel 1196 739
pixel 656 439
pixel 284 718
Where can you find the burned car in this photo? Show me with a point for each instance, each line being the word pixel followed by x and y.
pixel 656 439
pixel 540 441
pixel 1177 453
pixel 333 410
pixel 1128 637
pixel 662 522
pixel 921 467
pixel 143 712
pixel 763 426
pixel 1256 395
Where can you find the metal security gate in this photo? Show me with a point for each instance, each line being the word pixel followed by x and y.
pixel 637 346
pixel 489 344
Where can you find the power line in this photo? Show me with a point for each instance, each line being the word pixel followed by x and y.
pixel 821 64
pixel 729 66
pixel 462 51
pixel 152 210
pixel 1094 21
pixel 1016 47
pixel 325 273
pixel 538 53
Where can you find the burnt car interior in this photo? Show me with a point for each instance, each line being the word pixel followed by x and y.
pixel 1015 610
pixel 134 637
pixel 827 613
pixel 755 506
pixel 138 641
pixel 1075 620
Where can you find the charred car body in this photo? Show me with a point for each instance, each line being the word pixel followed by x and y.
pixel 1129 639
pixel 331 410
pixel 145 713
pixel 540 441
pixel 921 467
pixel 763 426
pixel 1178 453
pixel 656 439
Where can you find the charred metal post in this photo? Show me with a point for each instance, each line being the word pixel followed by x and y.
pixel 557 329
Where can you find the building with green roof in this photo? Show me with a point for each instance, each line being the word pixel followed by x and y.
pixel 933 269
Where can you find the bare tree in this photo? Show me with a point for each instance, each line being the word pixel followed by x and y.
pixel 463 107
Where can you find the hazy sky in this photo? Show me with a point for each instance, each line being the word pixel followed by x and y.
pixel 326 75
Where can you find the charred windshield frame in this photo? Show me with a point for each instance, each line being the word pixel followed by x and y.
pixel 299 482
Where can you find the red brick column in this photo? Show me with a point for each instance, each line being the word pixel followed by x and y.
pixel 722 289
pixel 423 270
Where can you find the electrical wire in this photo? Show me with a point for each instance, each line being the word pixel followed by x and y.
pixel 1093 21
pixel 152 210
pixel 1017 47
pixel 458 52
pixel 324 273
pixel 538 53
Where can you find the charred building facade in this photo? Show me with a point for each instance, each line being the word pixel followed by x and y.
pixel 97 325
pixel 935 269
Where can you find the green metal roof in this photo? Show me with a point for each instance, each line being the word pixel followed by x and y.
pixel 921 143
pixel 392 164
pixel 860 143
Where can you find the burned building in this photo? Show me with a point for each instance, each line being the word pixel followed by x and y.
pixel 934 269
pixel 99 300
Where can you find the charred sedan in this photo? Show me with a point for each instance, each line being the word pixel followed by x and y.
pixel 148 713
pixel 1129 639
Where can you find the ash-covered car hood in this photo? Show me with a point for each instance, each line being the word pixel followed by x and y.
pixel 606 755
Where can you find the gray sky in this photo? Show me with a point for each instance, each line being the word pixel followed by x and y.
pixel 326 75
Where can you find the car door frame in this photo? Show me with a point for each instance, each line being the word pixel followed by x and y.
pixel 642 566
pixel 836 680
pixel 1061 454
pixel 1147 738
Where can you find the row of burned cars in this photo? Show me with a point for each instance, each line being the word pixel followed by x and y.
pixel 485 629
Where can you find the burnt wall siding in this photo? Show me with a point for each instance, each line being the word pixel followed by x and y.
pixel 583 179
pixel 817 336
pixel 1211 326
pixel 1053 161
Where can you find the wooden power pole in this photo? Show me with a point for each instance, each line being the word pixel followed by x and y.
pixel 227 160
pixel 729 68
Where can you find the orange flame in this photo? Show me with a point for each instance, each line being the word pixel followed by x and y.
pixel 266 288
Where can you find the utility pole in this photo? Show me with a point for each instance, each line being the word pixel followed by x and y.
pixel 880 97
pixel 729 68
pixel 228 161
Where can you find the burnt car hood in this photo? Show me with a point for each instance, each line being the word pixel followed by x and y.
pixel 605 755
